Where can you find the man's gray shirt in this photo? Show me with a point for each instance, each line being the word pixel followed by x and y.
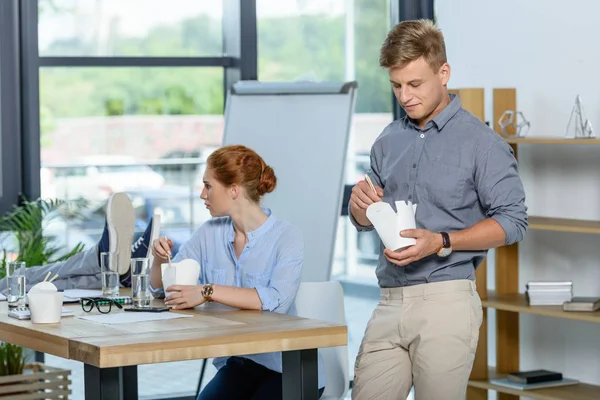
pixel 459 172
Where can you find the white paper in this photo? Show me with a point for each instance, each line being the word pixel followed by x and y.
pixel 2 297
pixel 388 223
pixel 132 317
pixel 76 294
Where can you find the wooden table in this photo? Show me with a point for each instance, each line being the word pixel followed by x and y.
pixel 111 353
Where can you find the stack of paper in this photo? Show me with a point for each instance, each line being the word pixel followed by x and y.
pixel 549 293
pixel 132 317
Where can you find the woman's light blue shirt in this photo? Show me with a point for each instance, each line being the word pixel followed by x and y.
pixel 271 262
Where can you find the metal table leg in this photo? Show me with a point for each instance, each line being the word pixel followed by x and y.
pixel 130 382
pixel 300 375
pixel 110 383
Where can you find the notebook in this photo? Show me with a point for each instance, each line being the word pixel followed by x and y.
pixel 582 304
pixel 534 376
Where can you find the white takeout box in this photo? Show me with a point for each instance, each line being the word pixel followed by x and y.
pixel 185 272
pixel 388 223
pixel 45 306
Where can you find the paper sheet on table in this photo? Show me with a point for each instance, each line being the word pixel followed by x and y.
pixel 132 317
pixel 76 294
pixel 2 297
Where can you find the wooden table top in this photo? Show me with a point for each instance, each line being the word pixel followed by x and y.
pixel 213 331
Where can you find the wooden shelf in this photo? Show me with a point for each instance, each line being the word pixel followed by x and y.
pixel 518 303
pixel 551 140
pixel 564 225
pixel 580 391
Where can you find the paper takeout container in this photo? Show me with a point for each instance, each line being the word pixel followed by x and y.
pixel 185 272
pixel 388 223
pixel 45 306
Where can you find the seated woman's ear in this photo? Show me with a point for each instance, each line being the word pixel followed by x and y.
pixel 234 190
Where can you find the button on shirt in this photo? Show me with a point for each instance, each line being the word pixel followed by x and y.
pixel 459 172
pixel 271 262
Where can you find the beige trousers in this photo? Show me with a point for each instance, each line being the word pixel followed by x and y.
pixel 423 335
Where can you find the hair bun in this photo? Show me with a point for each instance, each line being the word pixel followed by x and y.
pixel 268 181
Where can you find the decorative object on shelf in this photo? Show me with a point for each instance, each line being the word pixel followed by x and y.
pixel 513 123
pixel 579 126
pixel 543 293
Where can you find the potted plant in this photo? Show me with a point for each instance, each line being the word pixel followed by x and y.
pixel 32 381
pixel 26 222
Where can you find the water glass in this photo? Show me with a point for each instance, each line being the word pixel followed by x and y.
pixel 109 265
pixel 15 284
pixel 140 288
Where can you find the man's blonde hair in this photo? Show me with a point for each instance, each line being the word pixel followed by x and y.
pixel 411 40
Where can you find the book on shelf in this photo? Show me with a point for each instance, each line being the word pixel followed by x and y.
pixel 542 293
pixel 530 386
pixel 579 303
pixel 534 376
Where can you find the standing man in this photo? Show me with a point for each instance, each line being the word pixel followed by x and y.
pixel 463 176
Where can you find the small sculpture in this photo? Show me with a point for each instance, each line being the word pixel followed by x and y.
pixel 578 126
pixel 513 123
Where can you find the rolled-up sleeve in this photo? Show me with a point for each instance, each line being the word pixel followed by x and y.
pixel 280 292
pixel 374 174
pixel 501 191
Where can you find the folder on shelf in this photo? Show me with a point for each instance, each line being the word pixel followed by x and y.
pixel 530 386
pixel 579 303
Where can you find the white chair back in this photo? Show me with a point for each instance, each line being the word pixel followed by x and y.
pixel 325 301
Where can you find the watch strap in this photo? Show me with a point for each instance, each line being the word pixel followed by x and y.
pixel 445 240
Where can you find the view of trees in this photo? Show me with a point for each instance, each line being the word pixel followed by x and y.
pixel 290 47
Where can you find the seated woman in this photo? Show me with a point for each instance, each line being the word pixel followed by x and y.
pixel 249 260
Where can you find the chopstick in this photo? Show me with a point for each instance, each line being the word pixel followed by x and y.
pixel 47 276
pixel 370 183
pixel 53 278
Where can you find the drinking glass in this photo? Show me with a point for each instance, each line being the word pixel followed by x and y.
pixel 16 282
pixel 109 265
pixel 140 288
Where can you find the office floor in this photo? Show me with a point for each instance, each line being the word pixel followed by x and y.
pixel 160 380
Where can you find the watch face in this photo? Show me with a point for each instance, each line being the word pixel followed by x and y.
pixel 444 252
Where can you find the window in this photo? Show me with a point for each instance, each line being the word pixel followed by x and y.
pixel 336 40
pixel 130 28
pixel 131 98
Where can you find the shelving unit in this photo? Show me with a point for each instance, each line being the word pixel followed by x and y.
pixel 506 299
pixel 551 140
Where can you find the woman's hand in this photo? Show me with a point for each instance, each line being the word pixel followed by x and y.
pixel 184 296
pixel 162 248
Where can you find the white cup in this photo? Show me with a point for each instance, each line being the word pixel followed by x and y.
pixel 45 306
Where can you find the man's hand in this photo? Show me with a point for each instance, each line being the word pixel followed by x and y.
pixel 184 296
pixel 427 243
pixel 361 198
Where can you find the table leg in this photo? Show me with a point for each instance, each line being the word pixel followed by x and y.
pixel 300 375
pixel 110 383
pixel 130 382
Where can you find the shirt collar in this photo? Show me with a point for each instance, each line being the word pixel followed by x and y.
pixel 443 117
pixel 258 232
pixel 448 112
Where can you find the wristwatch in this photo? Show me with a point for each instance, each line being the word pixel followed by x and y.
pixel 207 291
pixel 446 249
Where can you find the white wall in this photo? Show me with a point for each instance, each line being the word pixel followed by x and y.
pixel 548 50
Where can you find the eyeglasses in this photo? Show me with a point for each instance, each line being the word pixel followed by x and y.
pixel 103 304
